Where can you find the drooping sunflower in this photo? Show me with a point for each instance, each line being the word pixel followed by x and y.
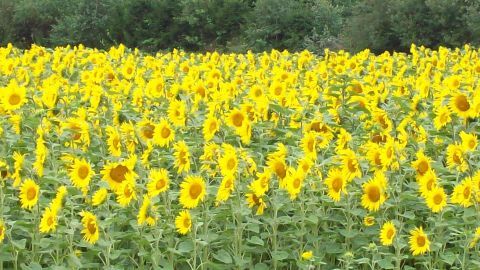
pixel 210 127
pixel 469 141
pixel 192 191
pixel 419 243
pixel 183 222
pixel 436 199
pixel 48 223
pixel 81 173
pixel 163 134
pixel 226 187
pixel 336 183
pixel 29 192
pixel 182 157
pixel 387 233
pixel 159 182
pixel 90 229
pixel 99 196
pixel 373 194
pixel 254 200
pixel 146 213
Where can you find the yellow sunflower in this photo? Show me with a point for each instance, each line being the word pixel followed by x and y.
pixel 113 141
pixel 146 213
pixel 48 223
pixel 13 96
pixel 463 193
pixel 81 173
pixel 373 194
pixel 436 199
pixel 29 192
pixel 2 230
pixel 182 157
pixel 236 118
pixel 368 221
pixel 336 183
pixel 254 200
pixel 192 191
pixel 126 193
pixel 308 144
pixel 422 163
pixel 350 164
pixel 183 222
pixel 456 158
pixel 117 172
pixel 210 127
pixel 419 243
pixel 145 130
pixel 387 233
pixel 229 161
pixel 90 227
pixel 99 196
pixel 294 181
pixel 159 182
pixel 469 141
pixel 225 189
pixel 163 134
pixel 460 105
pixel 442 117
pixel 176 112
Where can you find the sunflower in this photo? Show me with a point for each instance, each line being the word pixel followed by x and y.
pixel 13 96
pixel 48 223
pixel 436 199
pixel 99 196
pixel 146 213
pixel 442 117
pixel 463 193
pixel 210 127
pixel 336 183
pixel 307 255
pixel 2 230
pixel 350 164
pixel 81 173
pixel 159 182
pixel 472 244
pixel 427 182
pixel 126 193
pixel 145 130
pixel 460 105
pixel 163 134
pixel 114 141
pixel 183 222
pixel 193 191
pixel 90 227
pixel 368 221
pixel 225 189
pixel 294 181
pixel 229 161
pixel 419 243
pixel 469 141
pixel 182 157
pixel 117 172
pixel 176 112
pixel 236 118
pixel 422 163
pixel 278 166
pixel 29 192
pixel 387 233
pixel 262 184
pixel 254 200
pixel 308 144
pixel 456 158
pixel 373 194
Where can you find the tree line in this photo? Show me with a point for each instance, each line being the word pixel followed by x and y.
pixel 241 25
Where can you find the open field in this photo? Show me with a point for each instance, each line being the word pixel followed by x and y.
pixel 276 160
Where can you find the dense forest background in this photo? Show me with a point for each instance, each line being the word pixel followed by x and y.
pixel 241 25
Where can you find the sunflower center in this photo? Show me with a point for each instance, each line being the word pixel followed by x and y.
pixel 83 172
pixel 1 230
pixel 127 191
pixel 422 167
pixel 466 192
pixel 165 132
pixel 421 241
pixel 14 99
pixel 462 104
pixel 296 183
pixel 31 193
pixel 258 92
pixel 280 170
pixel 237 119
pixel 278 91
pixel 351 165
pixel 182 156
pixel 438 199
pixel 116 142
pixel 91 227
pixel 430 183
pixel 471 144
pixel 228 184
pixel 160 184
pixel 310 145
pixel 118 173
pixel 337 184
pixel 4 173
pixel 186 223
pixel 195 191
pixel 390 234
pixel 213 126
pixel 374 194
pixel 231 164
pixel 50 221
pixel 148 131
pixel 456 158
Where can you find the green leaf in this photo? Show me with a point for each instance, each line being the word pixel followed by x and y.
pixel 448 257
pixel 386 263
pixel 255 240
pixel 223 256
pixel 185 246
pixel 279 255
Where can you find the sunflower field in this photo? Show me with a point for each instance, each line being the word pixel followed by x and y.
pixel 120 160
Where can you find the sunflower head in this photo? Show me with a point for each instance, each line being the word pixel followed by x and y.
pixel 193 191
pixel 183 222
pixel 29 192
